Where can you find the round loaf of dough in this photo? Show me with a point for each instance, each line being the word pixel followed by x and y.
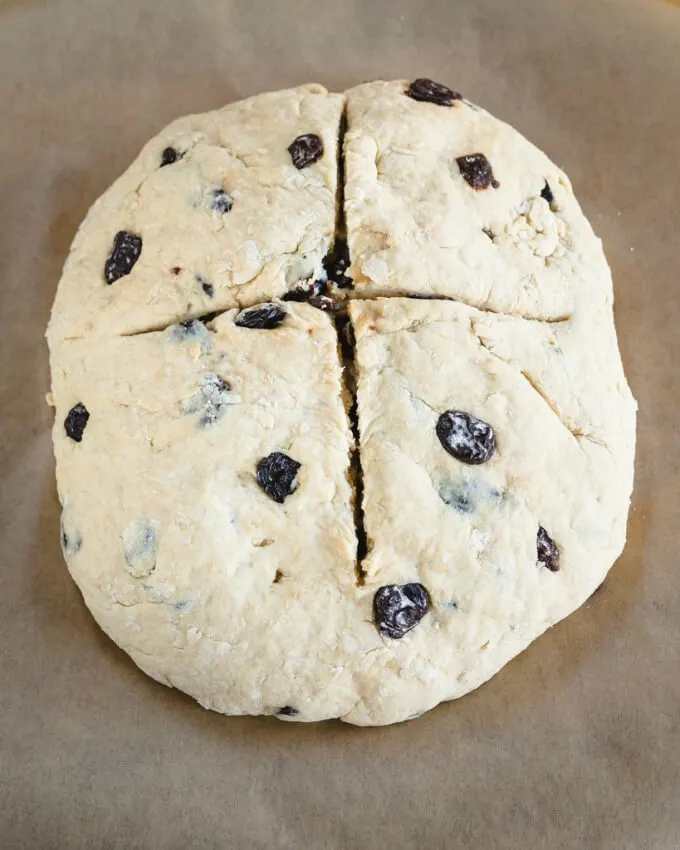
pixel 341 421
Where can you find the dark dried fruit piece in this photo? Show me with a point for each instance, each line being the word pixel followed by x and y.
pixel 70 545
pixel 546 551
pixel 288 711
pixel 323 302
pixel 75 421
pixel 428 91
pixel 71 541
pixel 188 329
pixel 305 150
pixel 169 156
pixel 546 193
pixel 397 608
pixel 215 392
pixel 125 252
pixel 477 171
pixel 308 290
pixel 205 286
pixel 460 497
pixel 336 264
pixel 467 438
pixel 140 547
pixel 210 402
pixel 276 475
pixel 347 340
pixel 221 201
pixel 265 316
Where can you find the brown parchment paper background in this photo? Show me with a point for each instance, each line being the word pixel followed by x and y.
pixel 576 744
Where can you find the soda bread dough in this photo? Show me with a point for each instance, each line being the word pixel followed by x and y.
pixel 229 525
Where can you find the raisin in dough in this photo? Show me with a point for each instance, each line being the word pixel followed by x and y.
pixel 230 221
pixel 208 470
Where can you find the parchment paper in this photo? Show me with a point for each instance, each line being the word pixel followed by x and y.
pixel 576 744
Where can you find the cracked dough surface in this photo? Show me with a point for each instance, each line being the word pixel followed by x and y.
pixel 256 607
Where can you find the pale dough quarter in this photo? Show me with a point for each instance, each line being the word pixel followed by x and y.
pixel 341 421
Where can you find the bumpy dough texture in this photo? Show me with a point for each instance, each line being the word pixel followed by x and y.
pixel 276 233
pixel 259 607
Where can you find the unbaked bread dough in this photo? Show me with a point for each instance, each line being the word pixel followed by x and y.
pixel 362 505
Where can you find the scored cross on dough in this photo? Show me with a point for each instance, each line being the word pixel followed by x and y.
pixel 255 604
